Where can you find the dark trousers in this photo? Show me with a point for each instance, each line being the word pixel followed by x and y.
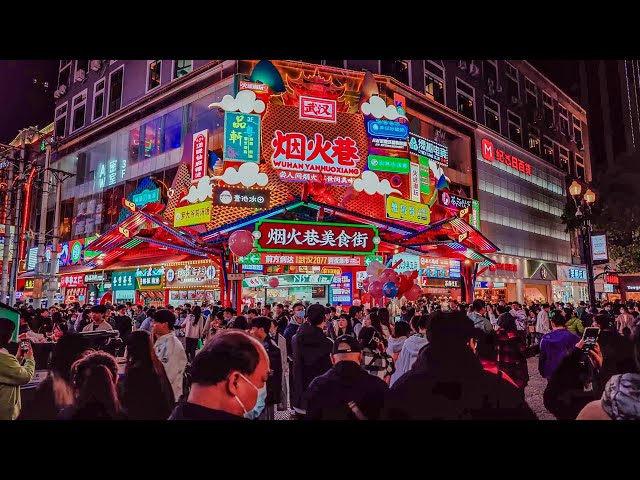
pixel 192 345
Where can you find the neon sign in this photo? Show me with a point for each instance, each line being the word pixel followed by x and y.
pixel 423 147
pixel 199 156
pixel 320 109
pixel 490 153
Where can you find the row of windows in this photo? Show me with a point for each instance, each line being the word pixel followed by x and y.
pixel 513 219
pixel 511 191
pixel 550 255
pixel 538 176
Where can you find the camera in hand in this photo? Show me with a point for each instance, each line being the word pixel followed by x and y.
pixel 590 337
pixel 25 344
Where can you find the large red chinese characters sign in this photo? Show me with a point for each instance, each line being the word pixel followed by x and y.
pixel 199 155
pixel 490 153
pixel 316 237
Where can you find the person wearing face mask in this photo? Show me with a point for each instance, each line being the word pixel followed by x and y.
pixel 229 380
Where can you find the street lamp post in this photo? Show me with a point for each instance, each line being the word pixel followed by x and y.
pixel 583 213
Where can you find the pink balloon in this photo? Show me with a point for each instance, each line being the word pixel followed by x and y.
pixel 365 284
pixel 389 275
pixel 241 242
pixel 274 282
pixel 375 289
pixel 413 293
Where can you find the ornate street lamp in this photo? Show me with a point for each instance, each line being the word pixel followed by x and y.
pixel 583 213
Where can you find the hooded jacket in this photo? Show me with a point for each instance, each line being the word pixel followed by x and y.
pixel 621 397
pixel 395 345
pixel 408 355
pixel 554 346
pixel 12 375
pixel 543 324
pixel 574 325
pixel 289 332
pixel 311 350
pixel 481 322
pixel 171 353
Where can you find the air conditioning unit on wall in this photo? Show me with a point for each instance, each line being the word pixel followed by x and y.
pixel 62 89
pixel 474 70
pixel 95 65
pixel 462 64
pixel 80 75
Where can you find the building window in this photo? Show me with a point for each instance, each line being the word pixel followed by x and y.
pixel 534 140
pixel 492 114
pixel 64 74
pixel 157 136
pixel 547 101
pixel 490 70
pixel 465 99
pixel 115 90
pixel 154 69
pixel 82 65
pixel 513 83
pixel 564 120
pixel 515 127
pixel 563 155
pixel 580 167
pixel 434 81
pixel 98 99
pixel 334 63
pixel 398 69
pixel 60 121
pixel 577 131
pixel 547 150
pixel 181 68
pixel 78 110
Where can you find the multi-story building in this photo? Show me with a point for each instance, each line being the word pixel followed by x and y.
pixel 124 121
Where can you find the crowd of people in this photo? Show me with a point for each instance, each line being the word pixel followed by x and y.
pixel 430 360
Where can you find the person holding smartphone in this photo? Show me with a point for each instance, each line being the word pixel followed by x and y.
pixel 14 371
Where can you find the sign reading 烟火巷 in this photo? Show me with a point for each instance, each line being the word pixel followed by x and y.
pixel 336 159
pixel 316 237
pixel 423 147
pixel 303 259
pixel 491 153
pixel 241 197
pixel 319 109
pixel 241 137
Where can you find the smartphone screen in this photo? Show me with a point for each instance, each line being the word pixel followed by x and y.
pixel 590 337
pixel 24 345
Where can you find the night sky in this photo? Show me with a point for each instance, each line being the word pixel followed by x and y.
pixel 23 103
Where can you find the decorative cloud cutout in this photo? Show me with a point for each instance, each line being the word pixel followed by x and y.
pixel 200 192
pixel 248 175
pixel 377 107
pixel 371 184
pixel 245 101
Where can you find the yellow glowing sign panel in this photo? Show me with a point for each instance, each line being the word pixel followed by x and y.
pixel 408 211
pixel 195 214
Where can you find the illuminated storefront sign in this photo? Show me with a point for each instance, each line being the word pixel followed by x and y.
pixel 241 197
pixel 387 129
pixel 387 144
pixel 382 163
pixel 633 288
pixel 599 248
pixel 190 275
pixel 198 156
pixel 195 214
pixel 508 267
pixel 425 173
pixel 29 284
pixel 432 267
pixel 95 277
pixel 490 153
pixel 146 196
pixel 340 289
pixel 612 278
pixel 423 147
pixel 241 137
pixel 75 280
pixel 414 181
pixel 409 262
pixel 256 87
pixel 407 210
pixel 293 151
pixel 289 280
pixel 123 280
pixel 453 202
pixel 303 259
pixel 316 237
pixel 439 282
pixel 151 278
pixel 608 288
pixel 572 273
pixel 319 109
pixel 109 173
pixel 475 214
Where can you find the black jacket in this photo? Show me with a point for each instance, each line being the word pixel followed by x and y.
pixel 289 332
pixel 282 322
pixel 274 382
pixel 144 396
pixel 329 394
pixel 122 323
pixel 450 384
pixel 311 358
pixel 617 354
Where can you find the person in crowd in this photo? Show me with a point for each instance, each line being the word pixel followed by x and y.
pixel 145 393
pixel 194 331
pixel 266 311
pixel 260 329
pixel 449 383
pixel 356 315
pixel 169 350
pixel 574 324
pixel 339 327
pixel 479 317
pixel 98 322
pixel 83 320
pixel 375 359
pixel 282 318
pixel 543 322
pixel 311 350
pixel 140 315
pixel 587 317
pixel 532 314
pixel 386 328
pixel 15 370
pixel 229 316
pixel 241 323
pixel 511 352
pixel 294 324
pixel 94 379
pixel 212 325
pixel 252 313
pixel 346 391
pixel 60 326
pixel 582 307
pixel 411 348
pixel 555 345
pixel 407 314
pixel 43 319
pixel 55 392
pixel 624 319
pixel 147 322
pixel 122 321
pixel 229 380
pixel 401 332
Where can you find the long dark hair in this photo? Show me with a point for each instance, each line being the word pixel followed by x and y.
pixel 197 314
pixel 139 349
pixel 383 316
pixel 94 383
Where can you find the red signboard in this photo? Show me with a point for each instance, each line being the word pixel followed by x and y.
pixel 319 109
pixel 490 154
pixel 199 155
pixel 612 278
pixel 316 237
pixel 75 280
pixel 310 259
pixel 256 87
pixel 509 267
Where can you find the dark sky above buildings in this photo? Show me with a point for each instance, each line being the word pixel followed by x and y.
pixel 26 100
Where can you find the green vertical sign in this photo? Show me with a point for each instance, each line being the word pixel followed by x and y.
pixel 475 214
pixel 425 173
pixel 241 137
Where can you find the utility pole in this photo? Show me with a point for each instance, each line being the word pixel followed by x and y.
pixel 4 275
pixel 18 217
pixel 43 222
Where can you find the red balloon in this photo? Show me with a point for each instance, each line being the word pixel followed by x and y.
pixel 389 275
pixel 241 242
pixel 404 283
pixel 413 293
pixel 375 289
pixel 413 274
pixel 365 284
pixel 274 282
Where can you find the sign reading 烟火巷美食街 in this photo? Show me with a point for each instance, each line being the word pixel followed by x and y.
pixel 195 214
pixel 289 280
pixel 150 278
pixel 425 148
pixel 241 197
pixel 407 210
pixel 304 259
pixel 241 137
pixel 124 280
pixel 316 237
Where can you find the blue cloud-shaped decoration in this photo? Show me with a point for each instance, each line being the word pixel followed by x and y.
pixel 266 72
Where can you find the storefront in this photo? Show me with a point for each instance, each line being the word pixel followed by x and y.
pixel 571 285
pixel 630 287
pixel 24 292
pixel 95 283
pixel 150 285
pixel 537 282
pixel 439 277
pixel 123 286
pixel 297 287
pixel 74 289
pixel 501 281
pixel 192 282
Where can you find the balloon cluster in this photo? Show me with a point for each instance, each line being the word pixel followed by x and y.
pixel 381 281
